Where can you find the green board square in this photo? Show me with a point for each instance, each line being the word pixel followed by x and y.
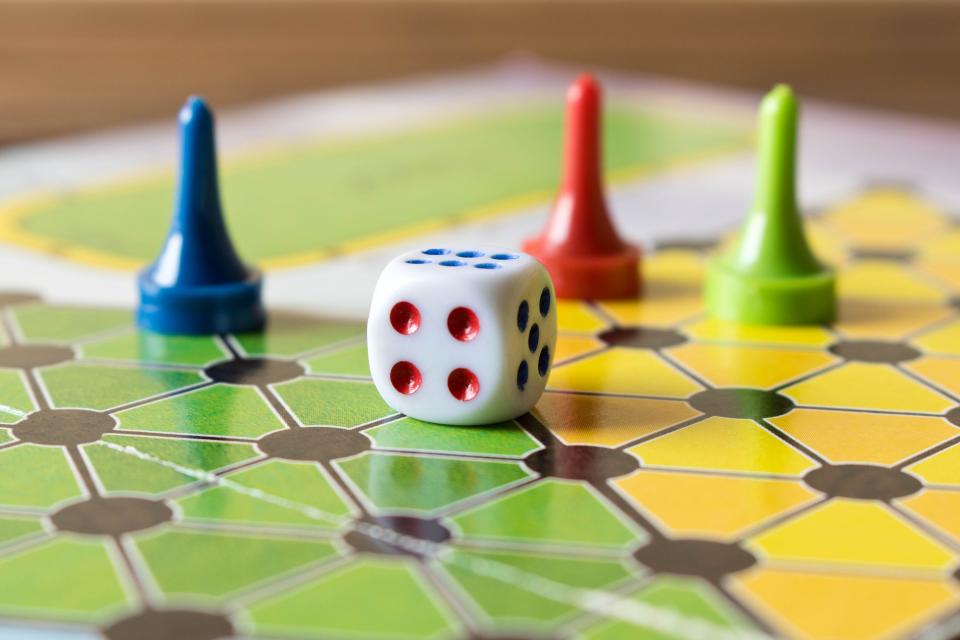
pixel 504 439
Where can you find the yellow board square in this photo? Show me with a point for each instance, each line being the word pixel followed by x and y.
pixel 865 534
pixel 943 270
pixel 724 444
pixel 857 437
pixel 608 421
pixel 942 339
pixel 823 605
pixel 671 291
pixel 624 371
pixel 866 318
pixel 886 219
pixel 575 346
pixel 577 317
pixel 720 507
pixel 748 366
pixel 827 245
pixel 858 385
pixel 711 330
pixel 942 372
pixel 940 468
pixel 942 508
pixel 886 281
pixel 945 246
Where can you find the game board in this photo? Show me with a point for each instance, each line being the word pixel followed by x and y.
pixel 680 478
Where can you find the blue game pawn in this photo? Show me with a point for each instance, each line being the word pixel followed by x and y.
pixel 198 285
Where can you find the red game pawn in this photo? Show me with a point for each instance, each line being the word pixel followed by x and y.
pixel 579 246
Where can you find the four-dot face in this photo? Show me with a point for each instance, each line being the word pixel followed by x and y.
pixel 462 335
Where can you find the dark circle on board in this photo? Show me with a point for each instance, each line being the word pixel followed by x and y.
pixel 10 298
pixel 692 557
pixel 581 462
pixel 953 416
pixel 111 516
pixel 28 356
pixel 162 624
pixel 862 482
pixel 874 351
pixel 363 540
pixel 642 338
pixel 254 371
pixel 63 427
pixel 956 574
pixel 318 444
pixel 752 404
pixel 887 255
pixel 955 302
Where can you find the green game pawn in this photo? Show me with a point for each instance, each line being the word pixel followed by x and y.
pixel 769 275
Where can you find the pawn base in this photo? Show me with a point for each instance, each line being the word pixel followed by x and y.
pixel 799 300
pixel 206 310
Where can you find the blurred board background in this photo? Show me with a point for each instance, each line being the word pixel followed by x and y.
pixel 69 65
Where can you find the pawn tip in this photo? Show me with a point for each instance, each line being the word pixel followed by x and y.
pixel 195 109
pixel 780 98
pixel 585 79
pixel 585 86
pixel 782 89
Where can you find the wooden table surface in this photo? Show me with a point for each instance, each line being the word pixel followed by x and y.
pixel 69 65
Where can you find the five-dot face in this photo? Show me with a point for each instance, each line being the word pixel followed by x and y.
pixel 531 328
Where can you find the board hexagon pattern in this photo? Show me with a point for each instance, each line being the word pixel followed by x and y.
pixel 679 476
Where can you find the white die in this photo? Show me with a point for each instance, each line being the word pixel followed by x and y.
pixel 462 336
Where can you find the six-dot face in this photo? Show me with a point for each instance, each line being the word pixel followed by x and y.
pixel 467 327
pixel 471 258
